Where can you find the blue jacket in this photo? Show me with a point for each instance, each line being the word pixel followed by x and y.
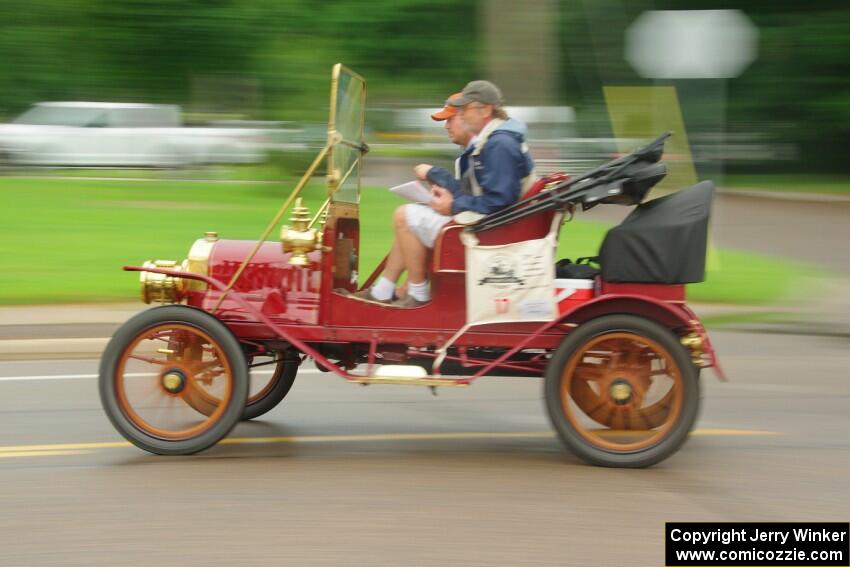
pixel 499 168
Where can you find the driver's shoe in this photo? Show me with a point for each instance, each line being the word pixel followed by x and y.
pixel 366 295
pixel 407 302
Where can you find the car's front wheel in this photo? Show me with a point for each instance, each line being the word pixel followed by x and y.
pixel 157 369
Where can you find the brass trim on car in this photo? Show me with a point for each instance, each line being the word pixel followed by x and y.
pixel 161 288
pixel 199 260
pixel 696 347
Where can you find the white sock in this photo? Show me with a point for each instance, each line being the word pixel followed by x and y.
pixel 419 291
pixel 383 289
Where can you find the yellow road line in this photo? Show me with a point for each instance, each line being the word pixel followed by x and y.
pixel 75 448
pixel 39 453
pixel 732 432
pixel 63 447
pixel 385 437
pixel 696 432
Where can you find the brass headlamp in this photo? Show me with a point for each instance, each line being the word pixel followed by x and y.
pixel 161 288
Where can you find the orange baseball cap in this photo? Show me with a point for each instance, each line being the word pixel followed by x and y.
pixel 447 111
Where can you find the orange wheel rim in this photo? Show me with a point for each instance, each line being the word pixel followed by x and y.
pixel 622 392
pixel 161 375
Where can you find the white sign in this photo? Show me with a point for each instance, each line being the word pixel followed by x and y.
pixel 691 44
pixel 511 282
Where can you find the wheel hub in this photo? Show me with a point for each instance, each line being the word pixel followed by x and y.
pixel 174 381
pixel 620 391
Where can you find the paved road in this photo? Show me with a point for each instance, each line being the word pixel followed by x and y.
pixel 349 475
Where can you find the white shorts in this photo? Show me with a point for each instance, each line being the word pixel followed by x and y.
pixel 424 222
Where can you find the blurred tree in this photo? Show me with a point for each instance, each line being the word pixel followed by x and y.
pixel 799 88
pixel 797 91
pixel 521 49
pixel 152 49
pixel 409 50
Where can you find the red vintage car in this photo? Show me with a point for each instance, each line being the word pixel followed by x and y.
pixel 618 349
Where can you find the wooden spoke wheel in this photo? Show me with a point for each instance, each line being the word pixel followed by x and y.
pixel 612 379
pixel 173 380
pixel 621 391
pixel 266 390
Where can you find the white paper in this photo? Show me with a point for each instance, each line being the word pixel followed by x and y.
pixel 413 191
pixel 536 309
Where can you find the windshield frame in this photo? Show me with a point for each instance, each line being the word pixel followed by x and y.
pixel 347 146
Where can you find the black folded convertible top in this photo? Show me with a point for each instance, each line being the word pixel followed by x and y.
pixel 661 241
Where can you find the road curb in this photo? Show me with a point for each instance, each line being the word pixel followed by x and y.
pixel 785 195
pixel 68 313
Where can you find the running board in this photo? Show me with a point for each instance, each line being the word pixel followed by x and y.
pixel 408 375
pixel 431 381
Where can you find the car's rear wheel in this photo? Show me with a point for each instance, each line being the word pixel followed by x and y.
pixel 621 391
pixel 265 391
pixel 173 380
pixel 268 390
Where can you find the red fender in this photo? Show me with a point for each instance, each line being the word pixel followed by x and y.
pixel 671 315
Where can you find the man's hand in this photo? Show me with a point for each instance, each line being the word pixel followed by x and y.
pixel 421 171
pixel 441 200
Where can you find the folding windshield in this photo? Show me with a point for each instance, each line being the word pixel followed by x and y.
pixel 345 131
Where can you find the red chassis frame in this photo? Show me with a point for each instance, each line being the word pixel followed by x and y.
pixel 273 300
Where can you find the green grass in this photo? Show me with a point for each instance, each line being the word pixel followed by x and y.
pixel 749 279
pixel 747 318
pixel 791 183
pixel 130 173
pixel 253 172
pixel 65 240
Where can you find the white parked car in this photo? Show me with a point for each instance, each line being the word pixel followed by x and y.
pixel 119 134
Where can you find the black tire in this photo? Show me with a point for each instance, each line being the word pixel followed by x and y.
pixel 592 447
pixel 281 382
pixel 125 416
